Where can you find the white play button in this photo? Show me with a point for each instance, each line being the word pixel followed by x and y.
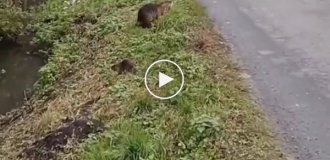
pixel 151 80
pixel 163 79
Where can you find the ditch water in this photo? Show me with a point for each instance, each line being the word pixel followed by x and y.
pixel 18 72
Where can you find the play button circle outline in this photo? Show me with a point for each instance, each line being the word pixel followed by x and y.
pixel 146 75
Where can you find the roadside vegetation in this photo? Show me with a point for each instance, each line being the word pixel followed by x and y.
pixel 212 118
pixel 13 19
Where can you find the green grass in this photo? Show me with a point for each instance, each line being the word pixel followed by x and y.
pixel 212 118
pixel 13 20
pixel 128 141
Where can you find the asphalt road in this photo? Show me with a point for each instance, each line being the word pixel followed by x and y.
pixel 285 46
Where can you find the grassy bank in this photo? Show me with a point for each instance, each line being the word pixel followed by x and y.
pixel 13 19
pixel 212 118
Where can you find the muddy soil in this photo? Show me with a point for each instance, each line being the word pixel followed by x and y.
pixel 55 141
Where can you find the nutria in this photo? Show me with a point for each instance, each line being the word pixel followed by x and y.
pixel 124 66
pixel 151 12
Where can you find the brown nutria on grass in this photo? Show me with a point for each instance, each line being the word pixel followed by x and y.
pixel 124 66
pixel 151 12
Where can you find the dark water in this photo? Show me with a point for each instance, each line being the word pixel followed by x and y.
pixel 21 72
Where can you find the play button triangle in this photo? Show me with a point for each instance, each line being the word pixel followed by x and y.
pixel 163 79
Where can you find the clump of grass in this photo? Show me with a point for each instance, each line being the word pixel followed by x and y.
pixel 126 141
pixel 13 20
pixel 142 104
pixel 46 120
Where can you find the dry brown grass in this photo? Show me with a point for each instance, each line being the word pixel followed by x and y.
pixel 207 40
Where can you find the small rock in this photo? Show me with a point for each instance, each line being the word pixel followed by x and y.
pixel 265 52
pixel 245 76
pixel 3 71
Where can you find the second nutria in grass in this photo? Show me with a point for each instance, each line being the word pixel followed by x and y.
pixel 151 12
pixel 124 66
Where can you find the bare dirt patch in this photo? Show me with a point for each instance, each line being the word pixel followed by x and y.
pixel 55 141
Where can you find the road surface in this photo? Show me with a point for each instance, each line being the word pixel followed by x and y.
pixel 285 46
